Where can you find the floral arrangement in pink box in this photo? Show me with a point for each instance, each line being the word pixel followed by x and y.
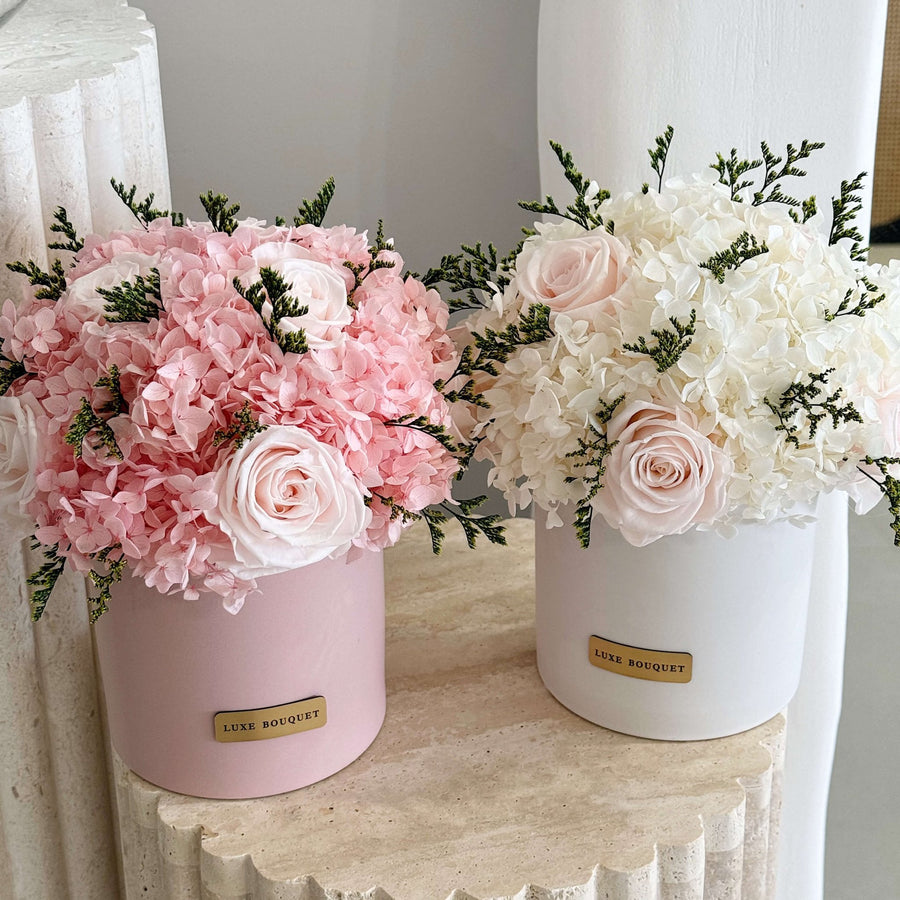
pixel 205 403
pixel 703 353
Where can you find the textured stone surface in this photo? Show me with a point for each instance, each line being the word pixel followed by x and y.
pixel 479 782
pixel 79 103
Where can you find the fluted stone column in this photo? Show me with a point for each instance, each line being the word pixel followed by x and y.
pixel 79 104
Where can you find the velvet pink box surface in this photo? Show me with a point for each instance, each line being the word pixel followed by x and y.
pixel 169 665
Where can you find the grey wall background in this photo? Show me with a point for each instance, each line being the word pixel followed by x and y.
pixel 424 111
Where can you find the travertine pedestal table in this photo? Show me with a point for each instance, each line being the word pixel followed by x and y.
pixel 79 104
pixel 479 782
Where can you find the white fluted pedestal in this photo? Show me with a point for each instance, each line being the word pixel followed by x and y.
pixel 479 782
pixel 79 104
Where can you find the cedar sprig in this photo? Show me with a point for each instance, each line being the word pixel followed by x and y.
pixel 379 246
pixel 588 196
pixel 474 268
pixel 63 226
pixel 493 347
pixel 87 421
pixel 104 580
pixel 398 511
pixel 44 579
pixel 50 285
pixel 464 454
pixel 312 212
pixel 221 215
pixel 361 271
pixel 777 168
pixel 670 344
pixel 381 242
pixel 533 327
pixel 144 211
pixel 117 404
pixel 807 207
pixel 844 210
pixel 272 288
pixel 426 426
pixel 243 427
pixel 807 396
pixel 742 248
pixel 133 301
pixel 438 515
pixel 467 392
pixel 858 302
pixel 659 154
pixel 889 486
pixel 732 170
pixel 591 455
pixel 473 527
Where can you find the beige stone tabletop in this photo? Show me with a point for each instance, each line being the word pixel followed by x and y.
pixel 479 782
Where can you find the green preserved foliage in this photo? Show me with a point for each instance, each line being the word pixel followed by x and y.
pixel 242 429
pixel 221 214
pixel 806 401
pixel 591 455
pixel 312 212
pixel 741 249
pixel 143 210
pixel 669 344
pixel 133 301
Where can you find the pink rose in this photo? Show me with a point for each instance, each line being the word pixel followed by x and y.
pixel 82 299
pixel 285 501
pixel 862 490
pixel 18 457
pixel 571 270
pixel 313 284
pixel 663 476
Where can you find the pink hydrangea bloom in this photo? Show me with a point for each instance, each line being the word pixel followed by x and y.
pixel 205 358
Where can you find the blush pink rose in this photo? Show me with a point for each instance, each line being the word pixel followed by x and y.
pixel 313 284
pixel 18 455
pixel 573 271
pixel 287 500
pixel 663 476
pixel 82 298
pixel 862 490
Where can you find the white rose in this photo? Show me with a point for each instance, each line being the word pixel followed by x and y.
pixel 663 476
pixel 81 297
pixel 571 270
pixel 18 452
pixel 312 283
pixel 285 501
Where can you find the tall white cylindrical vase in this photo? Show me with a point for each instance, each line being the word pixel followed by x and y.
pixel 694 636
pixel 675 63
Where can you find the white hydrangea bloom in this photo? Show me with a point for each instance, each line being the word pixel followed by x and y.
pixel 766 324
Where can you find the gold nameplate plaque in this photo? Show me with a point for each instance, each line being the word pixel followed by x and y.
pixel 271 721
pixel 637 662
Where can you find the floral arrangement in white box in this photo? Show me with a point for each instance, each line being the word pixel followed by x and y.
pixel 703 352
